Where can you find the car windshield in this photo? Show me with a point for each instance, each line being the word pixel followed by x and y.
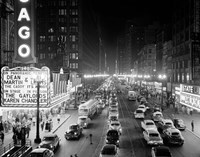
pixel 153 135
pixel 175 134
pixel 48 138
pixel 149 123
pixel 163 152
pixel 112 133
pixel 115 124
pixel 108 151
pixel 113 118
pixel 82 119
pixel 113 111
pixel 141 107
pixel 73 127
pixel 168 123
pixel 139 111
pixel 36 155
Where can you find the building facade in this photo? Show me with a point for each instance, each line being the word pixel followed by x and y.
pixel 6 32
pixel 59 34
pixel 186 52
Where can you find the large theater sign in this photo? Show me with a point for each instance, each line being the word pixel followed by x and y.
pixel 19 87
pixel 190 96
pixel 24 32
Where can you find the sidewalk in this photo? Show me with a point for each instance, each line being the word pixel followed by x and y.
pixel 170 113
pixel 8 137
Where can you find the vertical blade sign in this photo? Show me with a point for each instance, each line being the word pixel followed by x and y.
pixel 24 32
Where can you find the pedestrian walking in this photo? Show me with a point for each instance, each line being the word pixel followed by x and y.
pixel 14 138
pixel 28 131
pixel 90 138
pixel 1 126
pixel 2 137
pixel 192 125
pixel 58 118
pixel 42 125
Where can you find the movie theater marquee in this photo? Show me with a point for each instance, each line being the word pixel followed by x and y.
pixel 20 87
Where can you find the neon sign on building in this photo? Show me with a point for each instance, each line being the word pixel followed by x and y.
pixel 24 32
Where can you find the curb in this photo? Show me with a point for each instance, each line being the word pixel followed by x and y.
pixel 61 124
pixel 193 133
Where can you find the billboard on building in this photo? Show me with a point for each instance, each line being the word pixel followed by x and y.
pixel 19 87
pixel 24 32
pixel 190 96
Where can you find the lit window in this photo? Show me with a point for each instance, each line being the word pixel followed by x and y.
pixel 62 12
pixel 73 12
pixel 188 77
pixel 74 2
pixel 42 38
pixel 178 77
pixel 183 77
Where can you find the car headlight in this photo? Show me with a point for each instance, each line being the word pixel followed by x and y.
pixel 117 141
pixel 75 133
pixel 51 146
pixel 120 129
pixel 85 124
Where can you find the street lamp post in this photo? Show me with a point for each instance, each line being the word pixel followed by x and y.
pixel 38 139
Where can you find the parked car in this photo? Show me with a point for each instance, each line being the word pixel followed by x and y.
pixel 164 124
pixel 152 137
pixel 173 136
pixel 41 152
pixel 109 150
pixel 160 151
pixel 179 124
pixel 157 116
pixel 116 125
pixel 112 137
pixel 148 124
pixel 50 141
pixel 74 132
pixel 83 121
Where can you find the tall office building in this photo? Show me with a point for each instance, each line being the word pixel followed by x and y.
pixel 186 42
pixel 120 55
pixel 59 34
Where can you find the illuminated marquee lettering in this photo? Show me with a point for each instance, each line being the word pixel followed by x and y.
pixel 23 15
pixel 24 1
pixel 24 50
pixel 26 31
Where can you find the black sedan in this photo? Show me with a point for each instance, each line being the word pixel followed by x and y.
pixel 50 141
pixel 74 132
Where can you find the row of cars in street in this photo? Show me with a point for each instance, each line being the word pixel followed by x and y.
pixel 158 131
pixel 112 139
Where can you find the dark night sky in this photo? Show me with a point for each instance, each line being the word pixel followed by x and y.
pixel 114 13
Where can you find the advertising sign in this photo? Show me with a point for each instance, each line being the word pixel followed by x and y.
pixel 189 96
pixel 19 87
pixel 24 32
